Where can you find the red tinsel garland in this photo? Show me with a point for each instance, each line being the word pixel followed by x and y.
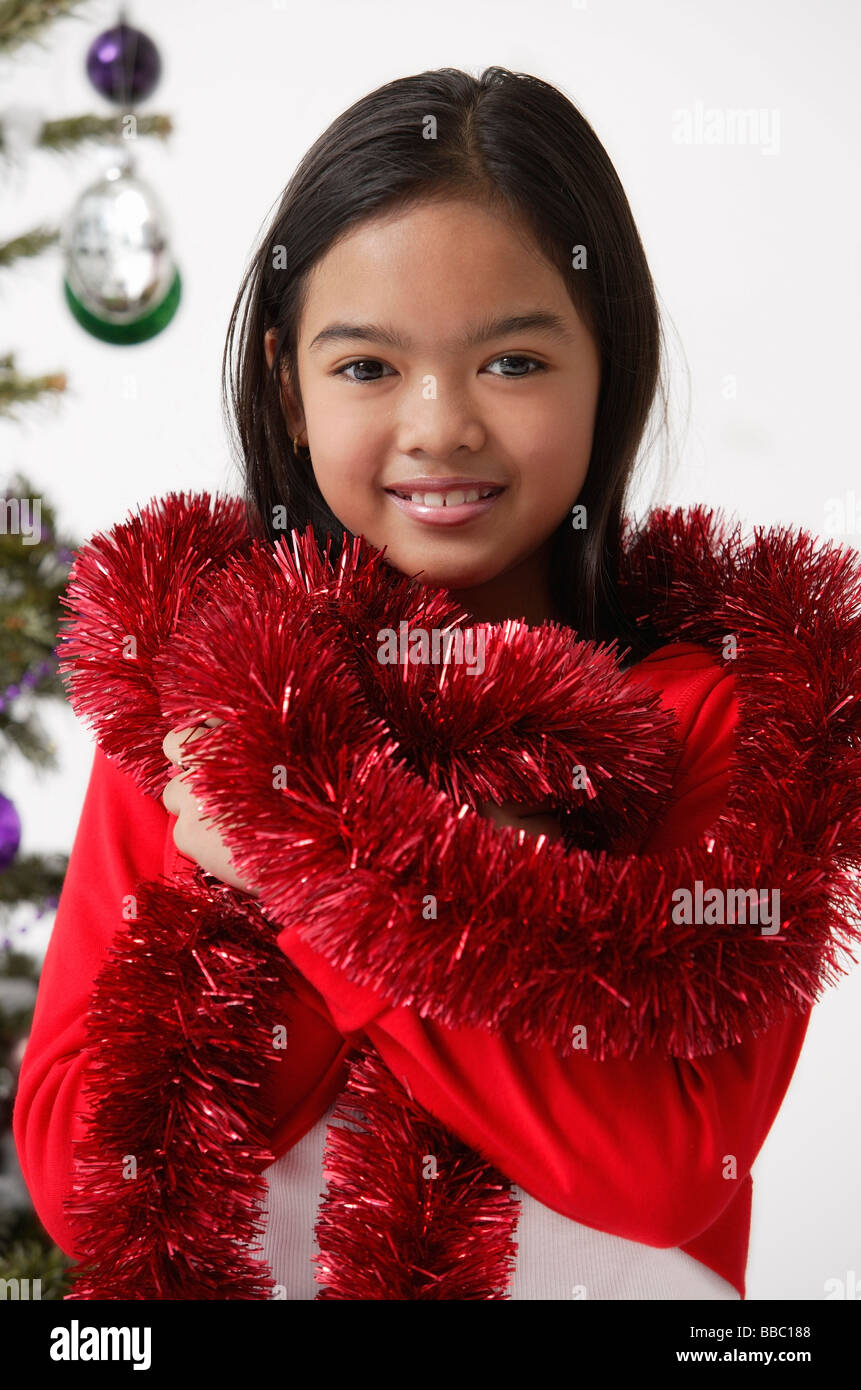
pixel 411 1213
pixel 532 936
pixel 380 770
pixel 167 1187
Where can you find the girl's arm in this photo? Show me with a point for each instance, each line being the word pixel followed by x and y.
pixel 119 841
pixel 651 1148
pixel 125 837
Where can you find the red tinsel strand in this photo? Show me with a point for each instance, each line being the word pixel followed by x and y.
pixel 551 688
pixel 166 1195
pixel 125 591
pixel 609 956
pixel 410 1212
pixel 544 705
pixel 361 865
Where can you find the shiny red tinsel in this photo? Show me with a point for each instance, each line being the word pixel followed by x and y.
pixel 167 1189
pixel 380 773
pixel 411 1213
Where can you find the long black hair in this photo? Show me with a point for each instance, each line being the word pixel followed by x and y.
pixel 508 140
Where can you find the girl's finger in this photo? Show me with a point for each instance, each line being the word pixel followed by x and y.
pixel 179 800
pixel 173 741
pixel 178 738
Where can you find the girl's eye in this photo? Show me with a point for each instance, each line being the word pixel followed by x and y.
pixel 359 362
pixel 514 357
pixel 363 363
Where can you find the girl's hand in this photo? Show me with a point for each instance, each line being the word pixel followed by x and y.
pixel 535 819
pixel 193 834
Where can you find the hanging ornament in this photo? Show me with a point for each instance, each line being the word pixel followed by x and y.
pixel 124 64
pixel 121 282
pixel 10 832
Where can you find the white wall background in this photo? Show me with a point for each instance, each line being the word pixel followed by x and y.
pixel 755 254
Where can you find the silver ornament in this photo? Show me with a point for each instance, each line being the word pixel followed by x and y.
pixel 121 282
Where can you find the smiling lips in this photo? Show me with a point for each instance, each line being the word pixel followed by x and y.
pixel 444 503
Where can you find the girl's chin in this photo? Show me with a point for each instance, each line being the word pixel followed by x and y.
pixel 453 571
pixel 435 576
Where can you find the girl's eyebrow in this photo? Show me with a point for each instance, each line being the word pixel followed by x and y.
pixel 536 321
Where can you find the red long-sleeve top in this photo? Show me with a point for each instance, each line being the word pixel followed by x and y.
pixel 638 1148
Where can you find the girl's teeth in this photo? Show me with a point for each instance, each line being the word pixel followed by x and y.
pixel 446 499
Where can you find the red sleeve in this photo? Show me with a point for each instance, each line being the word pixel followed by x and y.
pixel 125 837
pixel 120 840
pixel 635 1148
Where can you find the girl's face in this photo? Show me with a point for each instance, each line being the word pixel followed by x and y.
pixel 440 357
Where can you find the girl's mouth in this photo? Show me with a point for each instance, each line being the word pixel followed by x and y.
pixel 445 506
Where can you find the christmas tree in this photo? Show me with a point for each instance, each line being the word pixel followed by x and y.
pixel 34 568
pixel 35 560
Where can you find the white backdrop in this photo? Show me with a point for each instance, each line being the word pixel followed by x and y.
pixel 754 248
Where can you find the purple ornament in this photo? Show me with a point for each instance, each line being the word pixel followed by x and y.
pixel 124 65
pixel 10 831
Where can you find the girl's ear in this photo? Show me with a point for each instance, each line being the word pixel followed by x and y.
pixel 293 413
pixel 269 338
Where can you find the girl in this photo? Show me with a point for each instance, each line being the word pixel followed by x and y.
pixel 449 344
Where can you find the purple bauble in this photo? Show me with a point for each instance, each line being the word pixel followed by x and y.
pixel 124 65
pixel 10 831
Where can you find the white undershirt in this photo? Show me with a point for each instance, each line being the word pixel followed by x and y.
pixel 556 1258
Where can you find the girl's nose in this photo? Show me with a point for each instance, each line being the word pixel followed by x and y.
pixel 436 427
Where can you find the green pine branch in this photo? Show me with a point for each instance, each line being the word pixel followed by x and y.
pixel 33 577
pixel 17 965
pixel 72 132
pixel 30 244
pixel 17 390
pixel 23 21
pixel 35 1257
pixel 28 738
pixel 31 878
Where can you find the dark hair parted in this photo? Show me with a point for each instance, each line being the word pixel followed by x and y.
pixel 512 142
